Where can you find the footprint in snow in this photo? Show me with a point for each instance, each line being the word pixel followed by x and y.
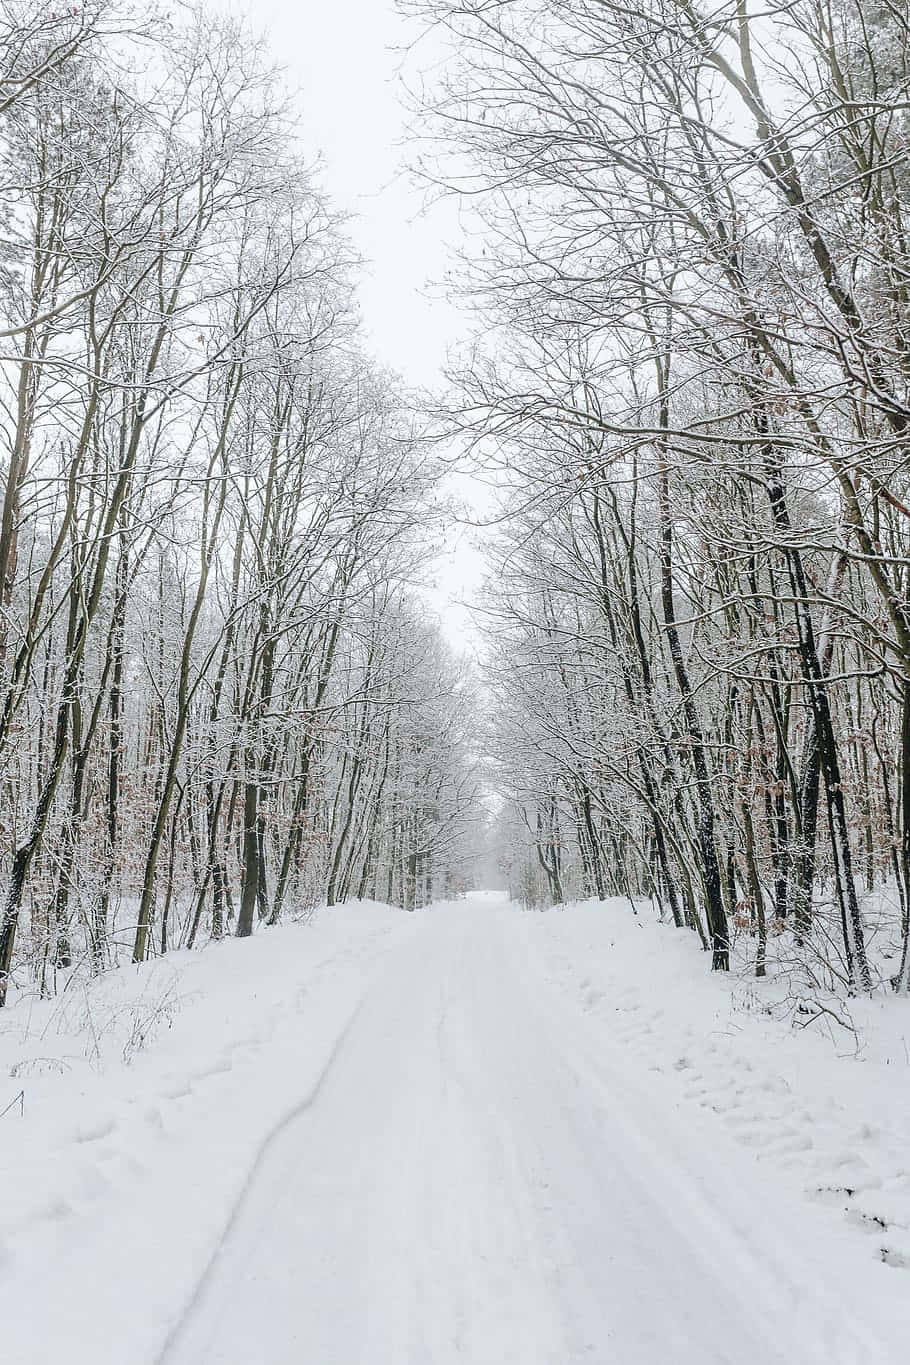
pixel 56 1211
pixel 219 1068
pixel 96 1133
pixel 869 1222
pixel 181 1091
pixel 93 1183
pixel 833 1196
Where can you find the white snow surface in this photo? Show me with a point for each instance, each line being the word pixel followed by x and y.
pixel 470 1134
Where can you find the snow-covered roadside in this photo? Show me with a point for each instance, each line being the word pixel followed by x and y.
pixel 524 1139
pixel 820 1106
pixel 147 1095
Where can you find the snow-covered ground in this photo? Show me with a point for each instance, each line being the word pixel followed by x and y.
pixel 468 1135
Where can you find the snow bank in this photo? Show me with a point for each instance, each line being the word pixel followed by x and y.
pixel 818 1088
pixel 152 1096
pixel 138 1102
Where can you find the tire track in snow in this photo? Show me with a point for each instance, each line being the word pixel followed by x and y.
pixel 170 1350
pixel 490 1179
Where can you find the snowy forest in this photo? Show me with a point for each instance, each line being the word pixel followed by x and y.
pixel 222 694
pixel 454 682
pixel 692 395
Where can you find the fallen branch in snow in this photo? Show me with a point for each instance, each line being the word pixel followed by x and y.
pixel 812 1010
pixel 17 1099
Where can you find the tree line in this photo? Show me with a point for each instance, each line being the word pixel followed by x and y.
pixel 691 388
pixel 220 699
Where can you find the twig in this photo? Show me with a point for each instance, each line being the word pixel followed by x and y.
pixel 17 1099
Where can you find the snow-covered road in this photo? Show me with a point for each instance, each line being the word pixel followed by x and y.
pixel 481 1175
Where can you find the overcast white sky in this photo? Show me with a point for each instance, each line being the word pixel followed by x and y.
pixel 342 57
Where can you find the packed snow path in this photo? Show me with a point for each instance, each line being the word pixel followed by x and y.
pixel 477 1176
